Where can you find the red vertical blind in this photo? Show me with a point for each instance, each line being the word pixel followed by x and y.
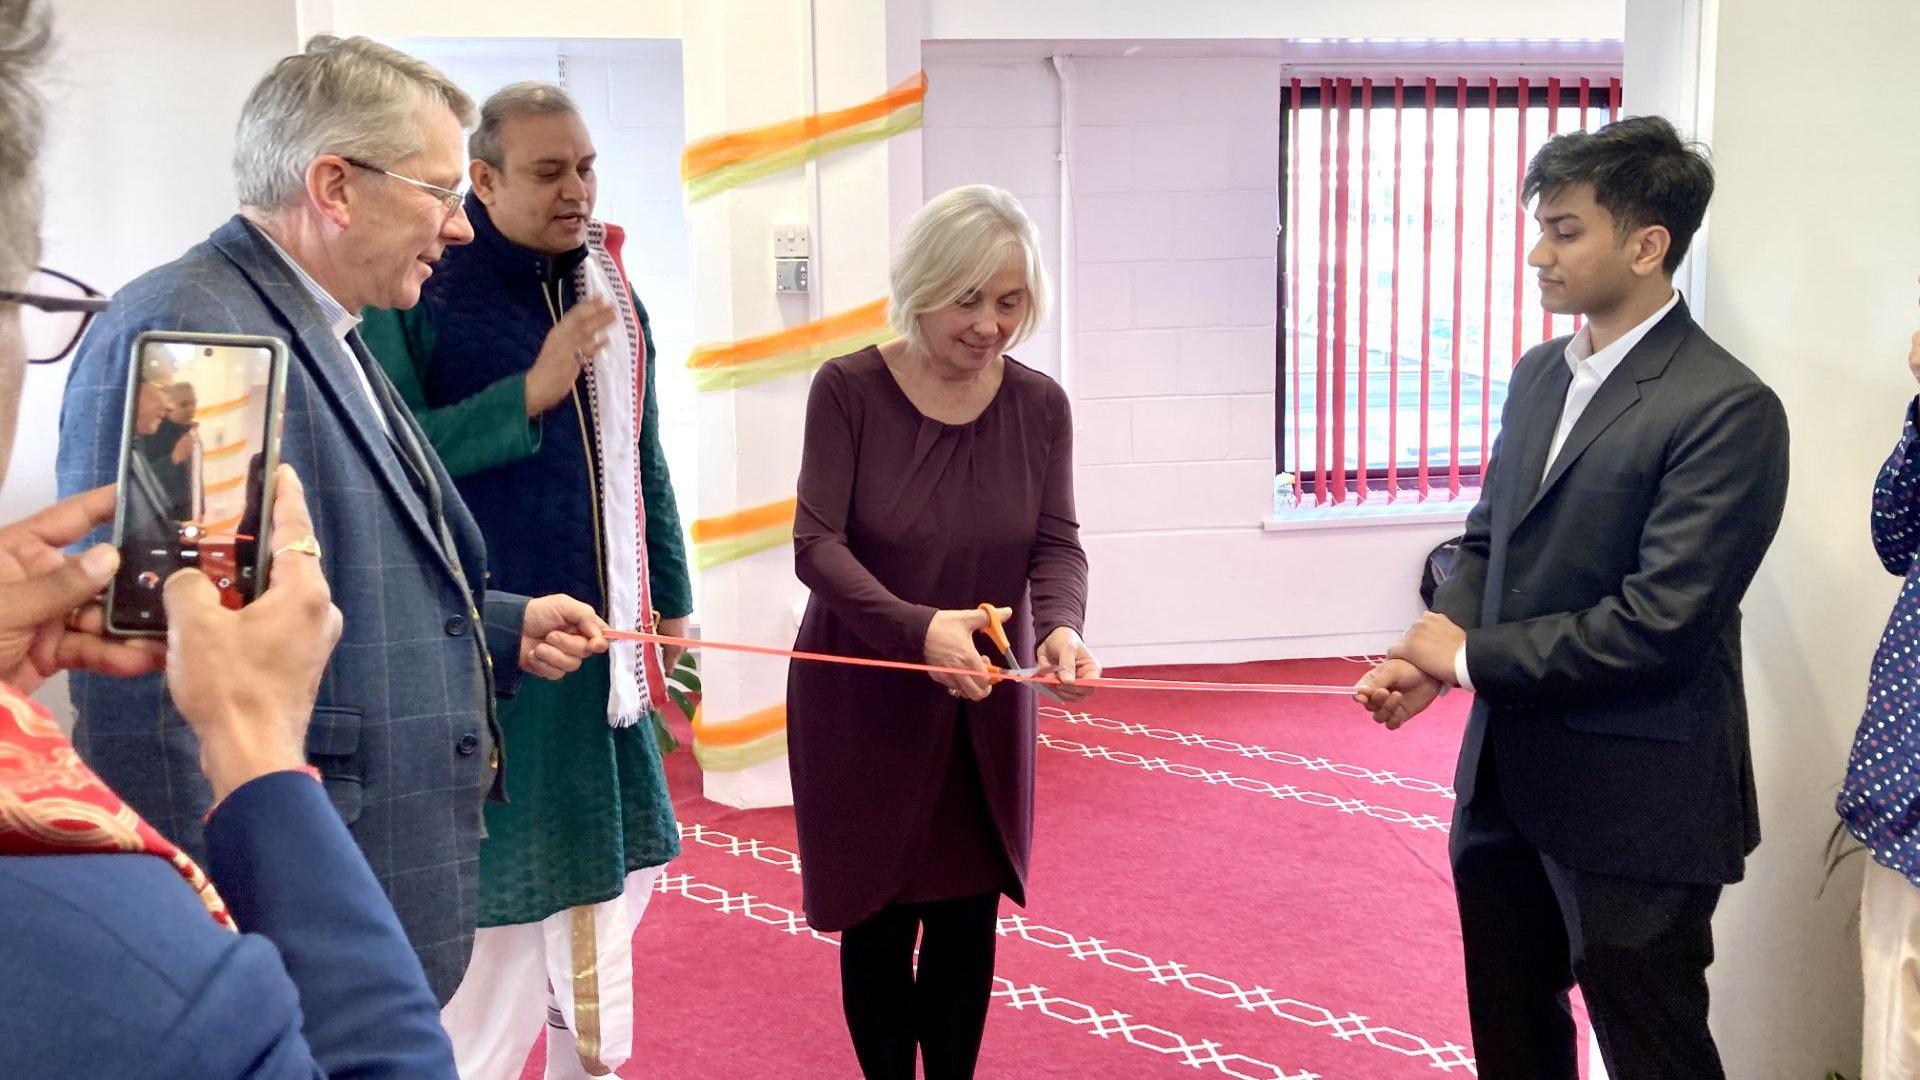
pixel 1433 199
pixel 1320 460
pixel 1486 285
pixel 1520 224
pixel 1459 265
pixel 1343 126
pixel 1292 152
pixel 1393 335
pixel 1426 301
pixel 1366 220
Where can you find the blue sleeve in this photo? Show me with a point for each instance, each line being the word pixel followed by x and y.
pixel 281 858
pixel 242 1020
pixel 1896 503
pixel 504 614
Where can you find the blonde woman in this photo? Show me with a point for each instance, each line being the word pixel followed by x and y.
pixel 937 476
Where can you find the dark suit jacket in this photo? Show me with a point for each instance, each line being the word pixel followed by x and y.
pixel 1602 607
pixel 402 728
pixel 113 968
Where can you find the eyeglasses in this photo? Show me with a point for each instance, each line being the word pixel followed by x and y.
pixel 57 310
pixel 450 200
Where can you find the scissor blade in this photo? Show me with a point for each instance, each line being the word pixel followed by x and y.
pixel 1037 671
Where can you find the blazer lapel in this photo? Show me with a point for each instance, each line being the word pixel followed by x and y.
pixel 327 364
pixel 1618 394
pixel 1536 435
pixel 1647 361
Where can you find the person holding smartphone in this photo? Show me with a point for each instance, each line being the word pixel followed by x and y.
pixel 121 958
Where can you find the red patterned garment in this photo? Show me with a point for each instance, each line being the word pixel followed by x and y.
pixel 52 804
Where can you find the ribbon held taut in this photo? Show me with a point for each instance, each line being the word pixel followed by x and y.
pixel 995 675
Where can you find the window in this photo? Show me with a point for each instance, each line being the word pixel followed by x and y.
pixel 1405 298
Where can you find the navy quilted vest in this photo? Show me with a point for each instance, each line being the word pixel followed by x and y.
pixel 538 515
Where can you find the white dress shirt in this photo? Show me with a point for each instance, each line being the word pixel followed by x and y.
pixel 339 320
pixel 1590 369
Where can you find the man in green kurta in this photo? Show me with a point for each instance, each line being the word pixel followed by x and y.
pixel 530 365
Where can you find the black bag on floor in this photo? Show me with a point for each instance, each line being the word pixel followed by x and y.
pixel 1438 568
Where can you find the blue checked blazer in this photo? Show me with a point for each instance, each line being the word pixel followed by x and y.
pixel 404 731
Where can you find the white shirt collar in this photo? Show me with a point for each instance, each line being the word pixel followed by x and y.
pixel 1580 349
pixel 339 319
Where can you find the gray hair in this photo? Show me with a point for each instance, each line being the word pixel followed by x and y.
pixel 24 33
pixel 352 97
pixel 516 99
pixel 952 246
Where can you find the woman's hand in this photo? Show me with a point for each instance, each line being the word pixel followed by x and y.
pixel 1071 661
pixel 950 645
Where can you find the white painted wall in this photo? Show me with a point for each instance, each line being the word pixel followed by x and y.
pixel 1148 20
pixel 611 19
pixel 1811 278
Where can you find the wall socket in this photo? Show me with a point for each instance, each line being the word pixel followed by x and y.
pixel 791 242
pixel 791 248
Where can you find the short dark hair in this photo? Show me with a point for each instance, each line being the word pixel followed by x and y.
pixel 1641 171
pixel 516 99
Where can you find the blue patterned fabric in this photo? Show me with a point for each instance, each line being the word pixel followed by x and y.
pixel 490 318
pixel 1880 800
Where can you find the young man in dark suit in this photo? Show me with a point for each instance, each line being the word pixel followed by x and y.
pixel 1605 784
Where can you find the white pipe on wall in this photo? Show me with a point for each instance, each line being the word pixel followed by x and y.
pixel 1063 286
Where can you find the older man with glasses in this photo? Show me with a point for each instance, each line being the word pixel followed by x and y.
pixel 346 160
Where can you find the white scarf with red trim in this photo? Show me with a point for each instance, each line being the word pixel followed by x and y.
pixel 616 385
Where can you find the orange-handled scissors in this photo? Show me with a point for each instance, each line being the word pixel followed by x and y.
pixel 997 634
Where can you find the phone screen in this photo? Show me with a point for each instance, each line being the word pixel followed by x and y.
pixel 202 416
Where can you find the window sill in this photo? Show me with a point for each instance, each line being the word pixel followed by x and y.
pixel 1376 512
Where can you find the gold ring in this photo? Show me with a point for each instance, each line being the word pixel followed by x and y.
pixel 306 545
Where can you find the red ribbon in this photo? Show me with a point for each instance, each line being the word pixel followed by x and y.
pixel 992 673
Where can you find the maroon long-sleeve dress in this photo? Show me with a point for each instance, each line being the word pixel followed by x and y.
pixel 902 792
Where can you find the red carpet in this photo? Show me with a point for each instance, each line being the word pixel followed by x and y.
pixel 1247 887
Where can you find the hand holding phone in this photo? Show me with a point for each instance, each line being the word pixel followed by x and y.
pixel 201 436
pixel 245 680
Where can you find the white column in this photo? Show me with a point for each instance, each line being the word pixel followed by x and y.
pixel 748 63
pixel 1810 270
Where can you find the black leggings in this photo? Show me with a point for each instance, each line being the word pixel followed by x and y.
pixel 941 1007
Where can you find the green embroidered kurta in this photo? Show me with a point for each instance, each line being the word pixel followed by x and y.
pixel 586 803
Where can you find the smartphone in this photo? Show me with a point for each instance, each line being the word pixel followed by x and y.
pixel 199 444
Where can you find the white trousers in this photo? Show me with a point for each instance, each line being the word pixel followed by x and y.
pixel 572 970
pixel 1890 963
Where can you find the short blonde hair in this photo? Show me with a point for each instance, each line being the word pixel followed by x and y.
pixel 348 96
pixel 952 246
